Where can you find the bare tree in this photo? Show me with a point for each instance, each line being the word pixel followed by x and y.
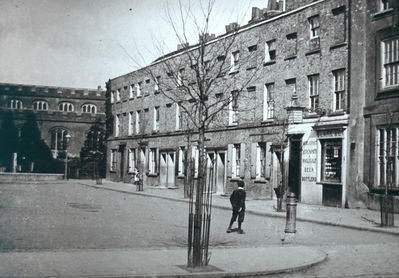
pixel 206 82
pixel 279 147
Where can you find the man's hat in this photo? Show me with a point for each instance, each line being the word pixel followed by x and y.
pixel 240 184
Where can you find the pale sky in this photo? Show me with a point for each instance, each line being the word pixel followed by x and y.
pixel 83 43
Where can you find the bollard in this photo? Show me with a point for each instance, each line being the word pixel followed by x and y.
pixel 291 214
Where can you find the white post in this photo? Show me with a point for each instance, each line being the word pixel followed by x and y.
pixel 14 163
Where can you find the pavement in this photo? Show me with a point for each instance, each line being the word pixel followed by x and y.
pixel 224 262
pixel 359 219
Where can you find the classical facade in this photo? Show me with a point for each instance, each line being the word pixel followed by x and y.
pixel 59 112
pixel 374 89
pixel 316 63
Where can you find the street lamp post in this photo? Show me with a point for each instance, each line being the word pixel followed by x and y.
pixel 68 138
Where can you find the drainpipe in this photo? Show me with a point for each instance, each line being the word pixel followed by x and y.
pixel 349 180
pixel 349 54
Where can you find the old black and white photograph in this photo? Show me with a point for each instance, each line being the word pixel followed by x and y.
pixel 199 138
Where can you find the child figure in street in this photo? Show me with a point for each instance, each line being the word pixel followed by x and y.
pixel 237 200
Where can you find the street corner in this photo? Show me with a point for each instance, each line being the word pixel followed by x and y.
pixel 243 262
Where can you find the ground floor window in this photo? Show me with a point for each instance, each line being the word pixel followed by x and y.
pixel 113 160
pixel 195 158
pixel 152 164
pixel 143 159
pixel 387 157
pixel 131 160
pixel 59 139
pixel 331 160
pixel 236 161
pixel 180 166
pixel 261 160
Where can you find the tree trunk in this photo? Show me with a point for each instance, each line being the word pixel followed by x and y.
pixel 197 248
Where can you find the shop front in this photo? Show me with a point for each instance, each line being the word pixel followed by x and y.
pixel 332 141
pixel 316 167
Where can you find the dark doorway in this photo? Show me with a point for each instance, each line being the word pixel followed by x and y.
pixel 332 195
pixel 294 170
pixel 122 156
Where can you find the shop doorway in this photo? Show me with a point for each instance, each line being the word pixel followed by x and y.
pixel 331 171
pixel 122 165
pixel 294 170
pixel 216 162
pixel 167 169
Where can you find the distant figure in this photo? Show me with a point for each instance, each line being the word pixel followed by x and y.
pixel 237 200
pixel 136 176
pixel 138 180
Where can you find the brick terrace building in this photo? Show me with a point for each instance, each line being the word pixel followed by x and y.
pixel 59 111
pixel 318 61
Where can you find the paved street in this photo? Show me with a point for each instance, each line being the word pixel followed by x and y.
pixel 73 216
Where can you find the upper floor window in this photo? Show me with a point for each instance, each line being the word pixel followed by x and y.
pixel 313 91
pixel 291 44
pixel 130 127
pixel 291 86
pixel 112 96
pixel 117 125
pixel 235 61
pixel 15 104
pixel 66 107
pixel 40 105
pixel 390 57
pixel 89 108
pixel 156 84
pixel 118 95
pixel 156 118
pixel 179 117
pixel 131 91
pixel 268 103
pixel 138 121
pixel 270 51
pixel 339 90
pixel 384 5
pixel 314 26
pixel 233 108
pixel 180 77
pixel 252 48
pixel 138 89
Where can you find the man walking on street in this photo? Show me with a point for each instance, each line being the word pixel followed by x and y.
pixel 237 200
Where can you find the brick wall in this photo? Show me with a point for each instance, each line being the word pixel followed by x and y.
pixel 296 58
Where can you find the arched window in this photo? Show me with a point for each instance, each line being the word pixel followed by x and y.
pixel 15 104
pixel 40 105
pixel 66 107
pixel 58 139
pixel 89 108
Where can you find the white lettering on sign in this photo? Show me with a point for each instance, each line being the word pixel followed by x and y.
pixel 309 160
pixel 330 133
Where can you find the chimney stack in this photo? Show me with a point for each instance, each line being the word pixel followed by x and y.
pixel 274 8
pixel 232 27
pixel 181 46
pixel 206 37
pixel 257 14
